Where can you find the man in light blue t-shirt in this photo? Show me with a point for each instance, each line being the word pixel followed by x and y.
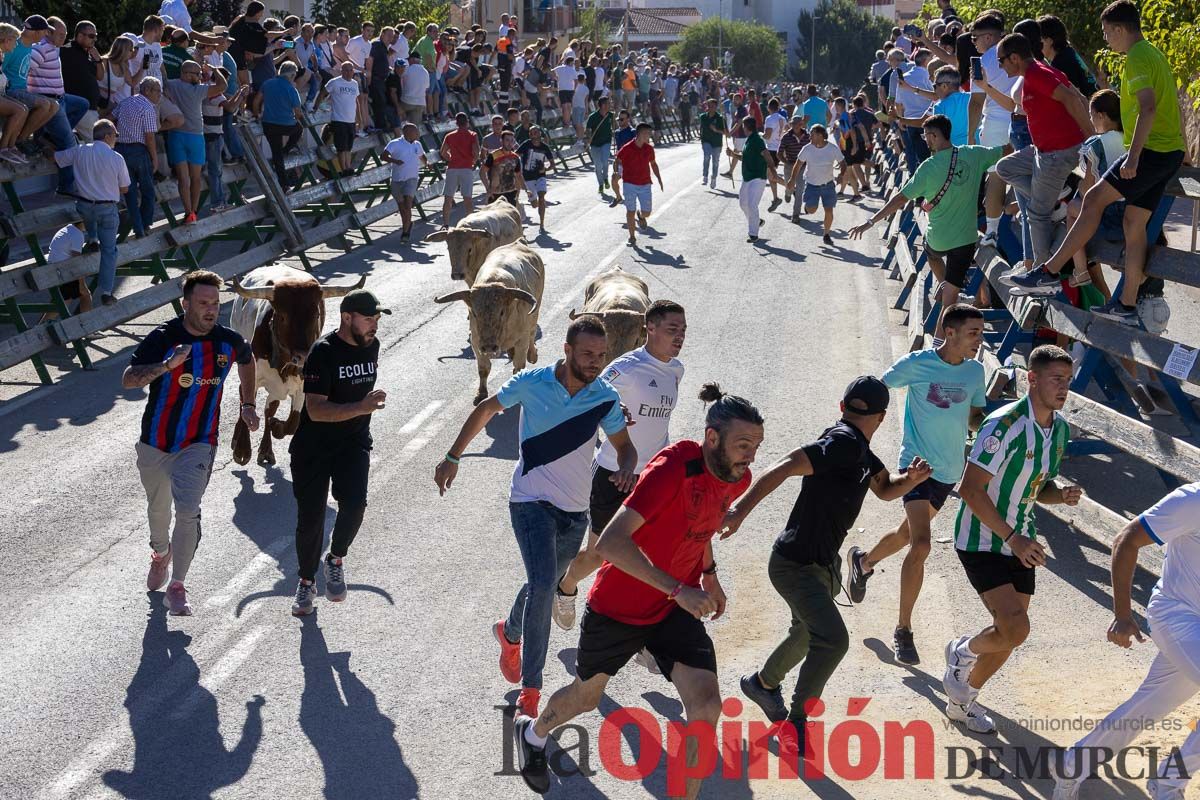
pixel 815 110
pixel 945 399
pixel 562 407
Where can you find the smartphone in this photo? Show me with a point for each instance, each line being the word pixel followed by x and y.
pixel 976 68
pixel 287 44
pixel 146 61
pixel 911 30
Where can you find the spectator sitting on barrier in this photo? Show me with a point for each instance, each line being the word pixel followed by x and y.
pixel 1096 154
pixel 407 156
pixel 101 179
pixel 185 146
pixel 16 115
pixel 136 118
pixel 35 75
pixel 282 114
pixel 82 68
pixel 343 98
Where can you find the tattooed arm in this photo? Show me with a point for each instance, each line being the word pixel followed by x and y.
pixel 139 375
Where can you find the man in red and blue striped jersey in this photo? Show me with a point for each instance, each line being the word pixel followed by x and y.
pixel 185 363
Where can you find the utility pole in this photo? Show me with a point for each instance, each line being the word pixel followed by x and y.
pixel 720 32
pixel 812 48
pixel 625 30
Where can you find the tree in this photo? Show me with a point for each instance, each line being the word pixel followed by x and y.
pixel 594 28
pixel 846 38
pixel 351 13
pixel 757 52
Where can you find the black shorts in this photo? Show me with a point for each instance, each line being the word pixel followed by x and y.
pixel 564 97
pixel 856 157
pixel 1145 189
pixel 957 260
pixel 511 197
pixel 935 492
pixel 70 290
pixel 343 136
pixel 606 498
pixel 987 571
pixel 606 645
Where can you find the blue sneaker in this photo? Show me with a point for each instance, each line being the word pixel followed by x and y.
pixel 1038 282
pixel 1116 310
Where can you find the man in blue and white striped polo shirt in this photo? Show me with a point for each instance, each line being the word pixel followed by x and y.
pixel 562 407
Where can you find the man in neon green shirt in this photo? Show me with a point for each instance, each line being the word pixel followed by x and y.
pixel 953 229
pixel 1150 117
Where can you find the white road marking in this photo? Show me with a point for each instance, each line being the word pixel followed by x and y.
pixel 268 558
pixel 221 671
pixel 419 418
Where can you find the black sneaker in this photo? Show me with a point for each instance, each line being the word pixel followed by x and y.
pixel 531 760
pixel 856 579
pixel 774 204
pixel 769 700
pixel 827 239
pixel 903 647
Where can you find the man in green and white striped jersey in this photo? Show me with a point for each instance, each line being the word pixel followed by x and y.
pixel 1013 464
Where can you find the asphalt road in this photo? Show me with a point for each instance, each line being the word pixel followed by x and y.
pixel 395 693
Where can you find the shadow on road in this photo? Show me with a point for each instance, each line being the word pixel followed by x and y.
pixel 355 741
pixel 652 255
pixel 178 749
pixel 263 516
pixel 502 432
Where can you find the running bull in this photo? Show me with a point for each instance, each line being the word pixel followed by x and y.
pixel 621 300
pixel 280 311
pixel 476 235
pixel 503 303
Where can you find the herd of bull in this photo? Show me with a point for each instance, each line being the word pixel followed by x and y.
pixel 280 310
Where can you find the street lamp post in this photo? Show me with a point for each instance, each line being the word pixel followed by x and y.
pixel 812 48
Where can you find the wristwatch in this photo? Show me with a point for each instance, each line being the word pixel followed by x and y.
pixel 712 569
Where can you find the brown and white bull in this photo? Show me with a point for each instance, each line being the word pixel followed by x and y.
pixel 280 311
pixel 476 235
pixel 621 300
pixel 503 303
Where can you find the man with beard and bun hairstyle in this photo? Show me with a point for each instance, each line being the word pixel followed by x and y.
pixel 658 583
pixel 562 407
pixel 332 446
pixel 185 363
pixel 805 568
pixel 648 381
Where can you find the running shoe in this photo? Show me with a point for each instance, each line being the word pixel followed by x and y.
pixel 176 600
pixel 751 239
pixel 774 204
pixel 190 218
pixel 510 654
pixel 302 606
pixel 958 669
pixel 563 610
pixel 648 661
pixel 769 700
pixel 703 180
pixel 903 647
pixel 972 716
pixel 156 578
pixel 1159 789
pixel 1116 310
pixel 528 701
pixel 787 197
pixel 856 578
pixel 335 579
pixel 1038 282
pixel 1066 789
pixel 988 240
pixel 531 760
pixel 713 184
pixel 827 239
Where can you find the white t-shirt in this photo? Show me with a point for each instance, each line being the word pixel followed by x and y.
pixel 155 51
pixel 568 53
pixel 599 84
pixel 649 389
pixel 178 11
pixel 904 44
pixel 999 80
pixel 66 243
pixel 399 51
pixel 581 95
pixel 565 76
pixel 1174 521
pixel 913 103
pixel 503 30
pixel 343 98
pixel 414 84
pixel 410 153
pixel 1098 152
pixel 358 49
pixel 819 161
pixel 777 125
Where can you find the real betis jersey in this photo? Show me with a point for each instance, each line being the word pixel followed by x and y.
pixel 1021 457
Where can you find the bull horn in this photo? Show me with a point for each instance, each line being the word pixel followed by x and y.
pixel 573 316
pixel 461 294
pixel 474 231
pixel 253 293
pixel 438 236
pixel 341 291
pixel 521 294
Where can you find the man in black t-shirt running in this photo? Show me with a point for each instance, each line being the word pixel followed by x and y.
pixel 805 567
pixel 333 444
pixel 536 161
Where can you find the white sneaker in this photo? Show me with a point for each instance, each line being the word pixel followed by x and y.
pixel 988 240
pixel 958 669
pixel 970 714
pixel 563 610
pixel 646 660
pixel 1066 789
pixel 1161 789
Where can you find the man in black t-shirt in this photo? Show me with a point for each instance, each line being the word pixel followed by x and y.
pixel 333 444
pixel 377 69
pixel 536 158
pixel 805 567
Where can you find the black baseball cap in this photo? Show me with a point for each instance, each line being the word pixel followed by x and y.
pixel 36 22
pixel 360 301
pixel 866 394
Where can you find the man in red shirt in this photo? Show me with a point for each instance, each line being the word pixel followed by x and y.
pixel 659 580
pixel 636 160
pixel 1059 121
pixel 460 151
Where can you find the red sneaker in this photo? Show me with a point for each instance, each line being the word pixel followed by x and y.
pixel 510 655
pixel 527 702
pixel 156 578
pixel 176 600
pixel 190 218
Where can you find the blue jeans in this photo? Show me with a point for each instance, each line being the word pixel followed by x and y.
pixel 61 132
pixel 212 162
pixel 600 160
pixel 233 142
pixel 139 199
pixel 101 221
pixel 915 149
pixel 438 87
pixel 712 155
pixel 1019 138
pixel 548 538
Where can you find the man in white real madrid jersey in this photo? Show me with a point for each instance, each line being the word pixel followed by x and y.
pixel 648 381
pixel 1174 616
